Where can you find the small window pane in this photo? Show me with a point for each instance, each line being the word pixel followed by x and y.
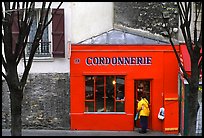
pixel 89 92
pixel 120 94
pixel 110 93
pixel 147 89
pixel 120 106
pixel 100 93
pixel 89 107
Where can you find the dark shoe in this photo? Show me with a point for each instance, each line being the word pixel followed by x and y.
pixel 142 132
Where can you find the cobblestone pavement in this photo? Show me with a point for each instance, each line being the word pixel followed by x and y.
pixel 34 132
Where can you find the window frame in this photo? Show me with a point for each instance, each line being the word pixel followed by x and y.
pixel 48 55
pixel 115 100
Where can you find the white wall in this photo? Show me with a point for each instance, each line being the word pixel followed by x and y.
pixel 55 65
pixel 90 19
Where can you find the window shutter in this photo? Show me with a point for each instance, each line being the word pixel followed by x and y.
pixel 58 33
pixel 15 30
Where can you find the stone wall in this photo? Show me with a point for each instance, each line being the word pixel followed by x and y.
pixel 146 15
pixel 45 103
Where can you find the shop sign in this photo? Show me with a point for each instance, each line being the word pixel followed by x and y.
pixel 105 61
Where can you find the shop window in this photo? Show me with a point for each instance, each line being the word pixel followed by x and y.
pixel 104 94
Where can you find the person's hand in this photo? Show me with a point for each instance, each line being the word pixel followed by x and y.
pixel 142 107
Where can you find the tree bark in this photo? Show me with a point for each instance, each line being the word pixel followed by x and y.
pixel 16 97
pixel 193 108
pixel 193 98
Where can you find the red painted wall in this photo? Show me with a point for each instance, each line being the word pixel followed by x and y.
pixel 163 73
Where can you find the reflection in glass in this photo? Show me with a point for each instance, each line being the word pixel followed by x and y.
pixel 144 88
pixel 100 94
pixel 120 106
pixel 89 106
pixel 89 87
pixel 110 93
pixel 120 88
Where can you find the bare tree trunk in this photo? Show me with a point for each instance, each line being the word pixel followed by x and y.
pixel 16 97
pixel 16 102
pixel 193 109
pixel 19 21
pixel 193 99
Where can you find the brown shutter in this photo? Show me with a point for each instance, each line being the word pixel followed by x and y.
pixel 58 33
pixel 15 30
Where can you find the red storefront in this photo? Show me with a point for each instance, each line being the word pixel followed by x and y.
pixel 98 72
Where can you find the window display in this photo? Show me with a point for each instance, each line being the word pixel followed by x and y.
pixel 104 94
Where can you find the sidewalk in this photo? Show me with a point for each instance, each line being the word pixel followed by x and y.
pixel 35 132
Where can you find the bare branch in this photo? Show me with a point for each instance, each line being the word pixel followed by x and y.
pixel 7 5
pixel 188 9
pixel 34 47
pixel 189 12
pixel 167 28
pixel 181 9
pixel 3 38
pixel 46 15
pixel 22 24
pixel 4 63
pixel 2 15
pixel 18 10
pixel 188 29
pixel 28 8
pixel 5 77
pixel 35 44
pixel 7 24
pixel 53 13
pixel 199 42
pixel 185 28
pixel 200 63
pixel 29 22
pixel 195 26
pixel 24 58
pixel 200 37
pixel 179 61
pixel 14 5
pixel 26 11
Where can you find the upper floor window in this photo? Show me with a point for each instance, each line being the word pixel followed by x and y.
pixel 52 43
pixel 104 94
pixel 44 49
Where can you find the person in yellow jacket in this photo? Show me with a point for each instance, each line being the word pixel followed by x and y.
pixel 143 108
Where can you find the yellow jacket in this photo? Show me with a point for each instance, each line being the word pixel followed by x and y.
pixel 143 107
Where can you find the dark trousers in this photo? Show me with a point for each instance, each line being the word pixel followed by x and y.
pixel 144 123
